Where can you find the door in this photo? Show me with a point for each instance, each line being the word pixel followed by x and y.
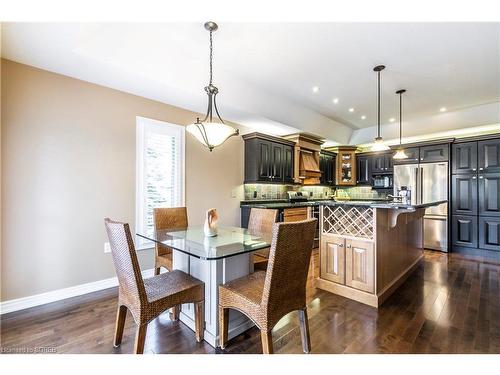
pixel 434 153
pixel 464 194
pixel 436 232
pixel 434 187
pixel 359 265
pixel 406 175
pixel 288 163
pixel 265 157
pixel 489 155
pixel 489 194
pixel 464 231
pixel 364 175
pixel 277 162
pixel 464 158
pixel 413 154
pixel 489 233
pixel 378 164
pixel 332 258
pixel 388 162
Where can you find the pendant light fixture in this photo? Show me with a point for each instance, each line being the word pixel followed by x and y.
pixel 379 144
pixel 400 153
pixel 208 132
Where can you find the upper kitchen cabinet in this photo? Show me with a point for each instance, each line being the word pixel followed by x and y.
pixel 364 174
pixel 464 158
pixel 327 167
pixel 434 153
pixel 346 166
pixel 268 159
pixel 413 154
pixel 382 163
pixel 489 155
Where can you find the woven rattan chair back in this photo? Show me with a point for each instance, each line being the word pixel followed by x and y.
pixel 286 276
pixel 170 218
pixel 125 260
pixel 261 220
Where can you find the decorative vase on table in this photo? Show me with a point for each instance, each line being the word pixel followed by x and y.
pixel 210 227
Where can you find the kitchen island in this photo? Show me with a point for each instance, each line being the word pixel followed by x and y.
pixel 368 249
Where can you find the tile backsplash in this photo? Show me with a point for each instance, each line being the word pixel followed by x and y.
pixel 274 191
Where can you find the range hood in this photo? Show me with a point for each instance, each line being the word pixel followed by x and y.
pixel 307 149
pixel 309 171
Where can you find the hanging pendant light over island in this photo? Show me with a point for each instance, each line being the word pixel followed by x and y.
pixel 206 131
pixel 379 144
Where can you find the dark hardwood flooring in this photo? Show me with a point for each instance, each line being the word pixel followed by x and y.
pixel 448 305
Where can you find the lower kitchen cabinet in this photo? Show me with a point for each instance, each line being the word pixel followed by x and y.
pixel 295 214
pixel 333 258
pixel 464 230
pixel 489 194
pixel 359 264
pixel 489 233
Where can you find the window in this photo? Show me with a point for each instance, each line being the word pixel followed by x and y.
pixel 159 171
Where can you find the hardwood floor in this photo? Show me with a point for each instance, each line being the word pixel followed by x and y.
pixel 448 305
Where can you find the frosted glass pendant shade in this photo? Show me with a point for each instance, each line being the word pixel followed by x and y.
pixel 211 134
pixel 400 154
pixel 379 145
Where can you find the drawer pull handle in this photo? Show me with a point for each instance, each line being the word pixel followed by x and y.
pixel 340 245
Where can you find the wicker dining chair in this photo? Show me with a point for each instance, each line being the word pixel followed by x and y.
pixel 261 221
pixel 167 218
pixel 148 298
pixel 265 297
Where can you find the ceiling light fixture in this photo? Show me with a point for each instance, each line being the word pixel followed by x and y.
pixel 363 117
pixel 351 109
pixel 392 119
pixel 315 89
pixel 400 153
pixel 335 100
pixel 379 144
pixel 442 109
pixel 209 133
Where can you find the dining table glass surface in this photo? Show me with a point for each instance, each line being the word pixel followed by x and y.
pixel 229 241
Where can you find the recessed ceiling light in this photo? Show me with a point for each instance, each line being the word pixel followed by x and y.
pixel 442 109
pixel 351 109
pixel 335 100
pixel 315 88
pixel 363 117
pixel 392 119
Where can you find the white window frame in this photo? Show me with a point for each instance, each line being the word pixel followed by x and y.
pixel 144 125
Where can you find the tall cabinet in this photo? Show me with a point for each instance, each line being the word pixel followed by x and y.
pixel 475 195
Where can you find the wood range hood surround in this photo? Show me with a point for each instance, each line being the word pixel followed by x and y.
pixel 306 161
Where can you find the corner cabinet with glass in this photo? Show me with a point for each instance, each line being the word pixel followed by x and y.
pixel 346 166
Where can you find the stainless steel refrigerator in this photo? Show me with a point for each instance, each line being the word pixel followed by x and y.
pixel 428 183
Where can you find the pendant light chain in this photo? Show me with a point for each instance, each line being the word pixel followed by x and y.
pixel 211 58
pixel 378 105
pixel 400 117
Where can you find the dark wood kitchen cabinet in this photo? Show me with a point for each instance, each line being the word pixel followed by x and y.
pixel 489 194
pixel 489 233
pixel 413 154
pixel 268 159
pixel 464 158
pixel 434 153
pixel 489 155
pixel 464 194
pixel 464 231
pixel 364 175
pixel 327 161
pixel 382 163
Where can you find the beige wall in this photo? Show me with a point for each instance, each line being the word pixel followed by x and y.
pixel 68 161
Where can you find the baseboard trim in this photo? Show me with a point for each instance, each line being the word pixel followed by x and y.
pixel 61 294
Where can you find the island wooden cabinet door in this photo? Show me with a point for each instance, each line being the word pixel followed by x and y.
pixel 332 258
pixel 359 265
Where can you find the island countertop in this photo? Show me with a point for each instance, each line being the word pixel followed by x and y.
pixel 387 205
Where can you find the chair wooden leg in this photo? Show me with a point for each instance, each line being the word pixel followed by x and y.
pixel 121 314
pixel 304 331
pixel 223 326
pixel 199 317
pixel 174 313
pixel 157 271
pixel 267 341
pixel 140 338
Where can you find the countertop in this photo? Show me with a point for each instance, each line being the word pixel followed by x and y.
pixel 329 202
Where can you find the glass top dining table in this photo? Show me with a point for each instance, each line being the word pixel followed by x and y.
pixel 230 241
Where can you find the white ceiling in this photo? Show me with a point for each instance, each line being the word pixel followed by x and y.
pixel 266 71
